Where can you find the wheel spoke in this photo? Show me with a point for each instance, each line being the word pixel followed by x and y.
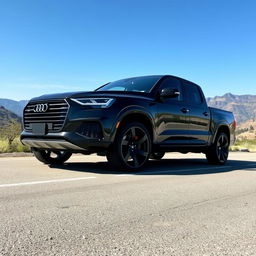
pixel 135 160
pixel 142 153
pixel 225 154
pixel 133 131
pixel 218 154
pixel 125 142
pixel 222 140
pixel 126 158
pixel 143 139
pixel 225 143
pixel 222 155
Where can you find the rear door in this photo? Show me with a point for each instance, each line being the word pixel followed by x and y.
pixel 199 114
pixel 172 116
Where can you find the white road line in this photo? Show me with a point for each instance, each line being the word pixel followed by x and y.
pixel 181 170
pixel 44 181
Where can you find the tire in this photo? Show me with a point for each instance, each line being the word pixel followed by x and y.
pixel 157 155
pixel 131 148
pixel 218 152
pixel 51 156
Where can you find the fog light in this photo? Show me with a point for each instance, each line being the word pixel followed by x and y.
pixel 91 130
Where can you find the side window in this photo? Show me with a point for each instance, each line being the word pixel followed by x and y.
pixel 173 83
pixel 193 95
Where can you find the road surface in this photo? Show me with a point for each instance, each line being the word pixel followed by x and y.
pixel 178 206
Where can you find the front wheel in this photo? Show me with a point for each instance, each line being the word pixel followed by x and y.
pixel 132 147
pixel 51 156
pixel 218 152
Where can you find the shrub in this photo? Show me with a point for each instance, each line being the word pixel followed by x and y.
pixel 15 146
pixel 244 144
pixel 4 145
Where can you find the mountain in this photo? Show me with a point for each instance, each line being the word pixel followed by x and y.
pixel 243 106
pixel 14 106
pixel 6 117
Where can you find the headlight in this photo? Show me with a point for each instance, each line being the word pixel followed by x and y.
pixel 95 102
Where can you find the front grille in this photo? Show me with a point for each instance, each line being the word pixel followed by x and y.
pixel 54 116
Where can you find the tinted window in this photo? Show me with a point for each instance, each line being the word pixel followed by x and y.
pixel 134 84
pixel 193 94
pixel 173 83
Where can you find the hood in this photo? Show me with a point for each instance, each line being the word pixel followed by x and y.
pixel 114 94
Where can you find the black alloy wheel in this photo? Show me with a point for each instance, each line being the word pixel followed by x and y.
pixel 51 156
pixel 132 147
pixel 222 147
pixel 218 153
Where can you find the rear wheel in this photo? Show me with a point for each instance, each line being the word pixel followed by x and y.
pixel 218 152
pixel 131 148
pixel 157 155
pixel 51 156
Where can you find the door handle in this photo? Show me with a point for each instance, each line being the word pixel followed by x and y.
pixel 205 114
pixel 184 110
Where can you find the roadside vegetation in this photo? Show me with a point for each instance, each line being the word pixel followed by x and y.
pixel 10 140
pixel 244 144
pixel 246 139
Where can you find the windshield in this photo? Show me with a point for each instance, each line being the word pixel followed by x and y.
pixel 134 84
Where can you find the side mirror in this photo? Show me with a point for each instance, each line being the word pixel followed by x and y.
pixel 169 93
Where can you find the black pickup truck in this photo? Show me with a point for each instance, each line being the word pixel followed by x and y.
pixel 129 121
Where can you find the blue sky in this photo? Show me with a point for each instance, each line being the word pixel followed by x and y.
pixel 51 46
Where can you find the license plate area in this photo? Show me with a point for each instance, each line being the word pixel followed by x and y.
pixel 39 128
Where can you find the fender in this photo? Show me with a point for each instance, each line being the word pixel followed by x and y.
pixel 134 109
pixel 216 129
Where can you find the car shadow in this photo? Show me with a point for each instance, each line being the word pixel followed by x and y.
pixel 162 167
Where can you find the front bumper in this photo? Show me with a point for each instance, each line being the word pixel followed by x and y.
pixel 50 144
pixel 70 141
pixel 84 129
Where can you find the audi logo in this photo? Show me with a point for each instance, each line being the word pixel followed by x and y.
pixel 39 108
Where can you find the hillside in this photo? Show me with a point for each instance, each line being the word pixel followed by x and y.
pixel 6 117
pixel 243 106
pixel 14 106
pixel 244 109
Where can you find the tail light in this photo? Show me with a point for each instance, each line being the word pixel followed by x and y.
pixel 235 124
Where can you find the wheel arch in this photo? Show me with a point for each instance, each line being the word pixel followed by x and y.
pixel 222 128
pixel 135 116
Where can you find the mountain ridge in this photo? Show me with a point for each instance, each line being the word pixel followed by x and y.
pixel 13 105
pixel 7 116
pixel 243 106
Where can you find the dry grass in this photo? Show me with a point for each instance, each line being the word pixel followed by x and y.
pixel 15 146
pixel 244 144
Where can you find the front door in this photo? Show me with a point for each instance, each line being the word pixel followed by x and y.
pixel 172 118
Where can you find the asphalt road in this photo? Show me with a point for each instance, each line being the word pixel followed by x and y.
pixel 178 206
